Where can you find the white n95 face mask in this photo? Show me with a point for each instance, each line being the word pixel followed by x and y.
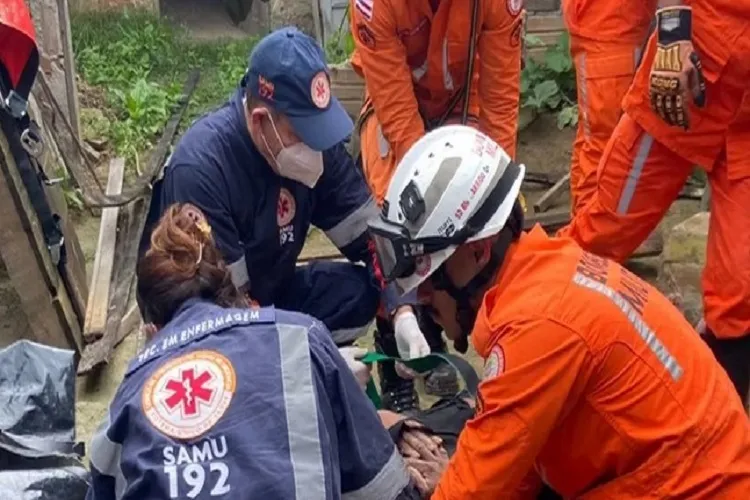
pixel 297 162
pixel 300 163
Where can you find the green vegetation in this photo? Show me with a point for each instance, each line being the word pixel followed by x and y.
pixel 139 63
pixel 340 46
pixel 549 85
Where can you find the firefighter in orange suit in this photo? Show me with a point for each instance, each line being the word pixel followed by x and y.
pixel 414 57
pixel 594 383
pixel 606 39
pixel 689 105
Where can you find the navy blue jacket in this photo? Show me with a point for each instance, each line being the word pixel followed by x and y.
pixel 259 219
pixel 243 404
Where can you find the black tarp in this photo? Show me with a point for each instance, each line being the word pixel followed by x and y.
pixel 39 458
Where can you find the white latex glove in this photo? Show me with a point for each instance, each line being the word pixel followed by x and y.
pixel 361 371
pixel 410 340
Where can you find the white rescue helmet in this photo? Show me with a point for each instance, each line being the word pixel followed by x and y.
pixel 453 186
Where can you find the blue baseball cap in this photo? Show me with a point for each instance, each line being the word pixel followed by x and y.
pixel 288 71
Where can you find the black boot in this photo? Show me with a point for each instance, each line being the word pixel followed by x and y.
pixel 734 356
pixel 443 380
pixel 397 394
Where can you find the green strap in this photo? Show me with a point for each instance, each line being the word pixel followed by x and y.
pixel 423 365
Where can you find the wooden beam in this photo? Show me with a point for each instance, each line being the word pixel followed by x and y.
pixel 130 322
pixel 100 351
pixel 71 88
pixel 550 221
pixel 97 307
pixel 74 270
pixel 546 200
pixel 539 178
pixel 33 274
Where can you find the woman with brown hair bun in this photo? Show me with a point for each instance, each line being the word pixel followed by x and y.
pixel 182 263
pixel 228 401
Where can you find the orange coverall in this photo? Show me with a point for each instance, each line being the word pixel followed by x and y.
pixel 413 61
pixel 606 39
pixel 598 386
pixel 647 162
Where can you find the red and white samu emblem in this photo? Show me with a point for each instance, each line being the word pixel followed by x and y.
pixel 286 208
pixel 320 90
pixel 187 396
pixel 495 364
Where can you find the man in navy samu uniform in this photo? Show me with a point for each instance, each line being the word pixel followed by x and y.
pixel 266 166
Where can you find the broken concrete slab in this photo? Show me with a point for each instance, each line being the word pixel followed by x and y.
pixel 681 265
pixel 686 242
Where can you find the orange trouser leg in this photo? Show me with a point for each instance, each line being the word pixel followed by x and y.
pixel 604 72
pixel 637 181
pixel 726 277
pixel 378 161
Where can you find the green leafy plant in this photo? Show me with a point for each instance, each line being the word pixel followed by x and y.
pixel 340 46
pixel 549 85
pixel 141 62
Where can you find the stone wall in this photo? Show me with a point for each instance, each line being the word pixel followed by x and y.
pixel 533 6
pixel 682 262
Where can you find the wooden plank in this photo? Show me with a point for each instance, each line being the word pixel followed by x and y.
pixel 348 87
pixel 542 5
pixel 71 89
pixel 67 142
pixel 550 221
pixel 546 200
pixel 74 270
pixel 100 351
pixel 130 323
pixel 97 307
pixel 30 268
pixel 318 22
pixel 539 178
pixel 344 73
pixel 540 23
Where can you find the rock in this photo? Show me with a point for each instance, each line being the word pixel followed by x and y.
pixel 99 144
pixel 681 266
pixel 526 117
pixel 654 245
pixel 686 242
pixel 297 13
pixel 94 125
pixel 681 284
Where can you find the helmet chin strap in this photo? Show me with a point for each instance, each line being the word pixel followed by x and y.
pixel 466 315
